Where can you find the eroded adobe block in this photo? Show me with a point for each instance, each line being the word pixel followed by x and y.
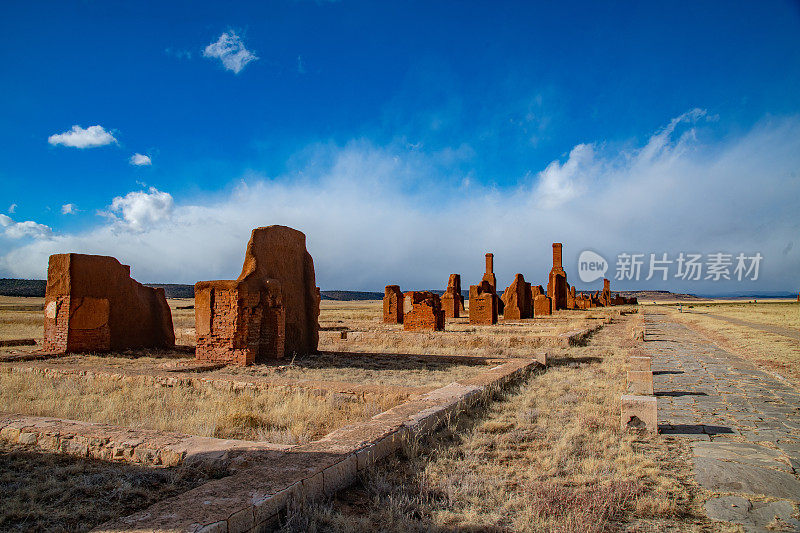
pixel 270 310
pixel 392 305
pixel 423 312
pixel 482 304
pixel 452 299
pixel 93 305
pixel 542 306
pixel 517 299
pixel 639 413
pixel 640 382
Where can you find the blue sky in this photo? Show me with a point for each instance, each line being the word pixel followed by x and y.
pixel 404 138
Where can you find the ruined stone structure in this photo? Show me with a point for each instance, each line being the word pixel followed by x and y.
pixel 452 299
pixel 542 306
pixel 270 310
pixel 557 286
pixel 423 312
pixel 393 305
pixel 482 304
pixel 583 301
pixel 605 296
pixel 571 304
pixel 517 300
pixel 93 305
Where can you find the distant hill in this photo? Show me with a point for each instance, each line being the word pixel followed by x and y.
pixel 350 295
pixel 22 287
pixel 35 288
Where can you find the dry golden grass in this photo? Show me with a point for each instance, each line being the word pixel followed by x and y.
pixel 274 415
pixel 506 339
pixel 548 456
pixel 770 351
pixel 21 318
pixel 369 369
pixel 50 492
pixel 784 314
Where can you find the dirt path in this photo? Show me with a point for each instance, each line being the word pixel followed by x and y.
pixel 767 328
pixel 745 424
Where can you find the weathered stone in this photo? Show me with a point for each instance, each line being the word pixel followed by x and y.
pixel 93 305
pixel 719 475
pixel 640 363
pixel 392 305
pixel 639 413
pixel 270 310
pixel 755 515
pixel 640 382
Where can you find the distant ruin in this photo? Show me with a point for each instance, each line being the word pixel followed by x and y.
pixel 482 304
pixel 517 299
pixel 269 311
pixel 452 299
pixel 93 305
pixel 392 305
pixel 423 312
pixel 557 284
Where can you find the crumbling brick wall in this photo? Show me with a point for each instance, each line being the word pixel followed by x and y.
pixel 424 312
pixel 482 304
pixel 93 305
pixel 542 306
pixel 238 325
pixel 270 310
pixel 392 305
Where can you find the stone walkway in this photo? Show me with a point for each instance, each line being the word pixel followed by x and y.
pixel 744 425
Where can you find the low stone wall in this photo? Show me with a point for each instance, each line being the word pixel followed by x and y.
pixel 113 443
pixel 252 499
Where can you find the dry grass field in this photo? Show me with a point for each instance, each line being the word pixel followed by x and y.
pixel 50 492
pixel 769 350
pixel 547 456
pixel 273 415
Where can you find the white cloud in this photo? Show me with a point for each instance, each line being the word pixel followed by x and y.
pixel 558 184
pixel 78 137
pixel 12 208
pixel 140 210
pixel 230 49
pixel 378 215
pixel 69 209
pixel 140 160
pixel 29 228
